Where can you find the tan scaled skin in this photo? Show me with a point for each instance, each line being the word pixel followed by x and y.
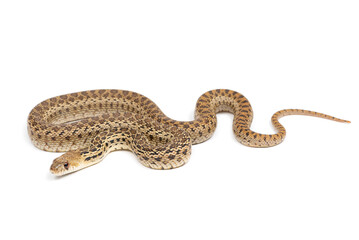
pixel 101 121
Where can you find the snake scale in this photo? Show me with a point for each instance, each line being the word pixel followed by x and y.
pixel 90 124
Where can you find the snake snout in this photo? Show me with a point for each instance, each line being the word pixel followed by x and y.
pixel 58 167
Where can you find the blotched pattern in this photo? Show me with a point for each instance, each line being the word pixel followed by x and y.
pixel 88 125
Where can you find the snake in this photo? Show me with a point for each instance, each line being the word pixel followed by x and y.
pixel 88 125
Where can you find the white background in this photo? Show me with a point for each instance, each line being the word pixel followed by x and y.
pixel 279 54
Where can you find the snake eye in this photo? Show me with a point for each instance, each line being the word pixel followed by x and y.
pixel 66 166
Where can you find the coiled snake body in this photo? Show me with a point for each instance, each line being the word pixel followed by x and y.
pixel 90 124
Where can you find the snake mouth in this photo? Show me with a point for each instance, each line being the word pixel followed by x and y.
pixel 59 171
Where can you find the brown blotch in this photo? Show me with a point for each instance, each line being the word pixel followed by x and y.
pixel 128 114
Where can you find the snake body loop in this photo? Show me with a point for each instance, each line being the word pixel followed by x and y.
pixel 90 124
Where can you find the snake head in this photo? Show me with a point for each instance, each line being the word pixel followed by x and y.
pixel 67 163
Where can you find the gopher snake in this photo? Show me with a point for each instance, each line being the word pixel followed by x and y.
pixel 90 124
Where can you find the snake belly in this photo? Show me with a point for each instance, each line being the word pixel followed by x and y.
pixel 90 124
